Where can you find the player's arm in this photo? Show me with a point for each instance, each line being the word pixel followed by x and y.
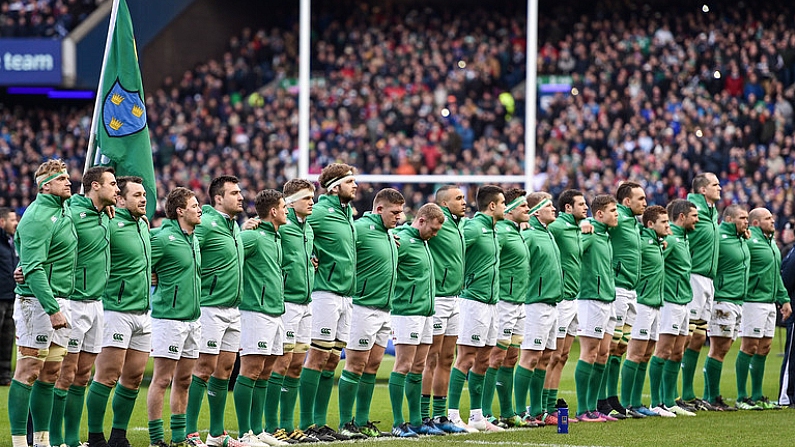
pixel 34 250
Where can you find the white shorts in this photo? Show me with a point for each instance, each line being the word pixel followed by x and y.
pixel 703 296
pixel 446 316
pixel 174 339
pixel 540 327
pixel 128 330
pixel 567 318
pixel 331 316
pixel 674 319
pixel 759 320
pixel 369 327
pixel 267 336
pixel 297 320
pixel 624 309
pixel 88 324
pixel 412 330
pixel 220 330
pixel 647 323
pixel 33 326
pixel 593 317
pixel 725 320
pixel 510 320
pixel 478 324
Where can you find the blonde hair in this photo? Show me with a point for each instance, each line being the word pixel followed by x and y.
pixel 47 169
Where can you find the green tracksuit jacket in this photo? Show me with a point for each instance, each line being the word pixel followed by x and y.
pixel 677 267
pixel 415 290
pixel 376 263
pixel 625 238
pixel 704 239
pixel 222 259
pixel 566 231
pixel 448 256
pixel 263 281
pixel 93 249
pixel 47 245
pixel 546 275
pixel 130 264
pixel 597 278
pixel 176 259
pixel 335 246
pixel 734 261
pixel 764 282
pixel 514 262
pixel 481 260
pixel 299 273
pixel 651 285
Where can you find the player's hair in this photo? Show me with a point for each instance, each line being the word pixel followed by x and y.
pixel 265 201
pixel 486 195
pixel 94 174
pixel 701 181
pixel 679 206
pixel 297 184
pixel 333 172
pixel 732 211
pixel 123 181
pixel 754 214
pixel 567 198
pixel 5 211
pixel 218 184
pixel 652 213
pixel 624 190
pixel 512 193
pixel 601 202
pixel 534 198
pixel 48 168
pixel 177 198
pixel 430 212
pixel 443 192
pixel 388 196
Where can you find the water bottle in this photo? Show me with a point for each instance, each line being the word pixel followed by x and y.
pixel 563 420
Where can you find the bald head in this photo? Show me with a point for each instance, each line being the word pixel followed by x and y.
pixel 762 218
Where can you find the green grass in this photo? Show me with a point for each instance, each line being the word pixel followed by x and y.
pixel 768 428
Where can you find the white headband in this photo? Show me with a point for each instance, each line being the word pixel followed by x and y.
pixel 540 205
pixel 44 178
pixel 339 181
pixel 302 194
pixel 515 203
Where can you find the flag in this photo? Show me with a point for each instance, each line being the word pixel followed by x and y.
pixel 121 133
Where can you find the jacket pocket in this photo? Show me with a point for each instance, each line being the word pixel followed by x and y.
pixel 174 301
pixel 331 271
pixel 598 285
pixel 444 278
pixel 121 292
pixel 364 288
pixel 540 285
pixel 214 283
pixel 643 290
pixel 262 296
pixel 411 298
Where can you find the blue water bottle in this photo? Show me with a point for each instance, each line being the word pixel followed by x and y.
pixel 563 420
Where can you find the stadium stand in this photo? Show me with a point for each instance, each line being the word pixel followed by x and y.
pixel 43 18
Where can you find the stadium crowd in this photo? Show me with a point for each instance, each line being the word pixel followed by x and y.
pixel 43 18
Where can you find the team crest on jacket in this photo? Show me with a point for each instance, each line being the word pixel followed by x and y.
pixel 121 224
pixel 123 112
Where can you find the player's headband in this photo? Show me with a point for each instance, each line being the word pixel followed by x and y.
pixel 539 206
pixel 515 203
pixel 43 179
pixel 338 181
pixel 302 194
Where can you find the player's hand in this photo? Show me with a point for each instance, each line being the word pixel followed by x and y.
pixel 747 234
pixel 397 240
pixel 586 227
pixel 251 223
pixel 523 226
pixel 154 279
pixel 315 262
pixel 58 320
pixel 146 219
pixel 786 310
pixel 110 210
pixel 19 278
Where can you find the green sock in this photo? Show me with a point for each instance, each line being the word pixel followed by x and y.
pixel 595 387
pixel 413 395
pixel 505 391
pixel 670 375
pixel 258 399
pixel 537 391
pixel 243 395
pixel 349 388
pixel 73 413
pixel 613 372
pixel 582 380
pixel 272 398
pixel 628 372
pixel 287 401
pixel 323 397
pixel 521 387
pixel 544 398
pixel 552 400
pixel 741 367
pixel 364 398
pixel 689 363
pixel 123 405
pixel 18 407
pixel 455 388
pixel 425 405
pixel 439 406
pixel 757 376
pixel 637 387
pixel 217 390
pixel 712 371
pixel 397 384
pixel 96 405
pixel 655 380
pixel 156 432
pixel 178 433
pixel 56 417
pixel 489 387
pixel 307 389
pixel 196 392
pixel 41 397
pixel 476 381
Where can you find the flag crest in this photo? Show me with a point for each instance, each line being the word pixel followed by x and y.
pixel 123 112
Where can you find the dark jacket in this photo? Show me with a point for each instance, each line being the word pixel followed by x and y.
pixel 8 262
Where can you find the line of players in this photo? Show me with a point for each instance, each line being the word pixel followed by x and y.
pixel 313 282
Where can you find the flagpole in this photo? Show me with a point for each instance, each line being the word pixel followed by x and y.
pixel 92 137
